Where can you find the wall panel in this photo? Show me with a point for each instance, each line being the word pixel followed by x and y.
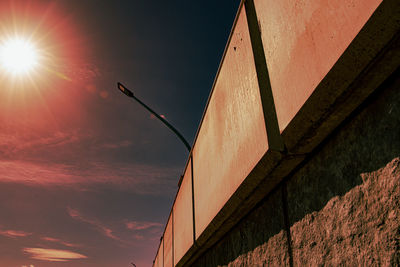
pixel 232 138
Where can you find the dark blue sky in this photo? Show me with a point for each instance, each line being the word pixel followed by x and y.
pixel 84 169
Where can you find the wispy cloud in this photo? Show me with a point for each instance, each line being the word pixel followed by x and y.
pixel 46 254
pixel 99 226
pixel 138 226
pixel 59 241
pixel 11 144
pixel 141 179
pixel 145 230
pixel 14 233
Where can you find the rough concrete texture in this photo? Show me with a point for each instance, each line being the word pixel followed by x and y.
pixel 258 240
pixel 343 204
pixel 365 143
pixel 361 228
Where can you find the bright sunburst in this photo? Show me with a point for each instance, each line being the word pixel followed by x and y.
pixel 18 56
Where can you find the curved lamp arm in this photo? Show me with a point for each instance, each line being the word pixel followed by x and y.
pixel 129 93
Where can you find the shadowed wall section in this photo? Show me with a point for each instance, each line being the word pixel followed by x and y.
pixel 296 160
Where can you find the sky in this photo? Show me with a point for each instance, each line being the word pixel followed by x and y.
pixel 87 175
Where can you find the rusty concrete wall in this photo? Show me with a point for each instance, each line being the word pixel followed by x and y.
pixel 341 205
pixel 302 41
pixel 159 260
pixel 183 219
pixel 232 137
pixel 168 243
pixel 292 72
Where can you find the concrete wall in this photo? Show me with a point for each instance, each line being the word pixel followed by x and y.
pixel 232 137
pixel 300 108
pixel 341 205
pixel 183 219
pixel 303 40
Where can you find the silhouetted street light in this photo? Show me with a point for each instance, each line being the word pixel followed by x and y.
pixel 127 92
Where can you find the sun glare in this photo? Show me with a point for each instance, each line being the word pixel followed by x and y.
pixel 18 56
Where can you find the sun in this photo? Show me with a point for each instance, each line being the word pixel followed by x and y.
pixel 18 56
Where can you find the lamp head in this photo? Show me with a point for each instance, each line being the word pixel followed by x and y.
pixel 124 90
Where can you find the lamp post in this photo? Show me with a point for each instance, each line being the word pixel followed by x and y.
pixel 129 93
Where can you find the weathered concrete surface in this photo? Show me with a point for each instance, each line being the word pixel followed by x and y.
pixel 168 240
pixel 342 204
pixel 232 138
pixel 258 240
pixel 361 228
pixel 366 62
pixel 183 216
pixel 302 41
pixel 236 167
pixel 159 260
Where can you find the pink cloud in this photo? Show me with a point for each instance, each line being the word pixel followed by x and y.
pixel 137 226
pixel 14 233
pixel 141 179
pixel 12 144
pixel 46 254
pixel 138 237
pixel 46 158
pixel 106 231
pixel 59 241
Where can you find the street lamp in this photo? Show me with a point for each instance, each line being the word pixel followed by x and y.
pixel 129 93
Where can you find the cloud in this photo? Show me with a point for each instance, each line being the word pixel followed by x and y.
pixel 12 144
pixel 77 159
pixel 143 229
pixel 53 254
pixel 138 226
pixel 14 233
pixel 106 231
pixel 59 241
pixel 137 178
